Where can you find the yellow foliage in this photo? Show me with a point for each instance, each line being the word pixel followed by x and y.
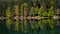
pixel 25 4
pixel 25 22
pixel 16 22
pixel 25 26
pixel 16 25
pixel 8 15
pixel 25 14
pixel 8 23
pixel 16 9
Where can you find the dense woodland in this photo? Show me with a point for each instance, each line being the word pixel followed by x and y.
pixel 34 7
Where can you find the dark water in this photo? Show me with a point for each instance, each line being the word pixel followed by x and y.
pixel 30 30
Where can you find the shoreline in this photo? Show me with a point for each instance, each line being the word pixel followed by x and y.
pixel 29 17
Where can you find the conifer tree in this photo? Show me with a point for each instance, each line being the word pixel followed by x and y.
pixel 40 11
pixel 51 11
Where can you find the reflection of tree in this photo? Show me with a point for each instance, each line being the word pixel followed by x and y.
pixel 52 31
pixel 34 24
pixel 51 23
pixel 16 25
pixel 44 22
pixel 41 25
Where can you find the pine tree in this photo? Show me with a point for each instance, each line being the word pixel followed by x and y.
pixel 32 11
pixel 51 11
pixel 40 11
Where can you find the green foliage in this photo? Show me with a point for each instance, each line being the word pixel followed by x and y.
pixel 32 11
pixel 41 25
pixel 59 17
pixel 16 25
pixel 40 11
pixel 51 23
pixel 51 11
pixel 45 21
pixel 25 30
pixel 44 14
pixel 36 11
pixel 32 24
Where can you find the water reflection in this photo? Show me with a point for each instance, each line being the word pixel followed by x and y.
pixel 41 26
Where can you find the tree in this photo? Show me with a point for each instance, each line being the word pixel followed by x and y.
pixel 44 14
pixel 51 11
pixel 40 11
pixel 8 20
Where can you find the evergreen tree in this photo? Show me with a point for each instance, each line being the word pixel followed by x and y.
pixel 51 11
pixel 40 11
